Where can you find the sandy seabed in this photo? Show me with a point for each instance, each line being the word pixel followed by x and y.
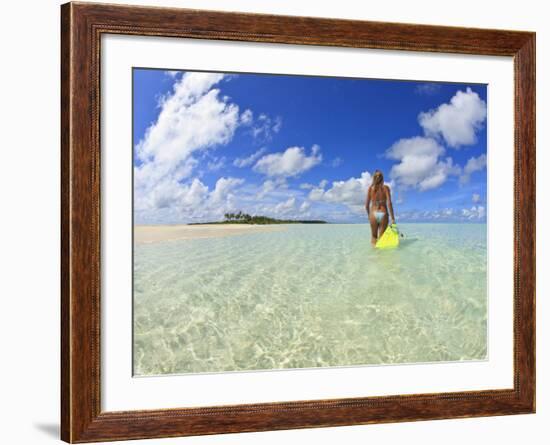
pixel 153 234
pixel 308 296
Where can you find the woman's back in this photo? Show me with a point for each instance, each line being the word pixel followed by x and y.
pixel 378 196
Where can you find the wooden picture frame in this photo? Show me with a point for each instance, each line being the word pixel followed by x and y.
pixel 82 25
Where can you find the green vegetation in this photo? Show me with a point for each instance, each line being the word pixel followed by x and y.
pixel 245 218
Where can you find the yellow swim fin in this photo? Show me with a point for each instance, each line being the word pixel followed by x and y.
pixel 389 239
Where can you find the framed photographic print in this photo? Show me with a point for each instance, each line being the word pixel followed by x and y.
pixel 275 222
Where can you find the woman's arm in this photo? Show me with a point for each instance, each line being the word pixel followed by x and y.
pixel 367 202
pixel 390 205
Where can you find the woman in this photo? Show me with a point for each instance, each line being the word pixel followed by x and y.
pixel 380 196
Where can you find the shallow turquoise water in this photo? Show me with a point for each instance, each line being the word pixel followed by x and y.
pixel 310 296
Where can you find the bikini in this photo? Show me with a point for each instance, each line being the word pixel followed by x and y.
pixel 379 215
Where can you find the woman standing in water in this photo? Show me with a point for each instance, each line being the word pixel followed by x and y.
pixel 379 195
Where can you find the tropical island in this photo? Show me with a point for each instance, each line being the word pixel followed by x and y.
pixel 245 218
pixel 233 224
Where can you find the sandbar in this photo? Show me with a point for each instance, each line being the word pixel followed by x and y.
pixel 156 233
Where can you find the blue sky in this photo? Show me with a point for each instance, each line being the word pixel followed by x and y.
pixel 305 147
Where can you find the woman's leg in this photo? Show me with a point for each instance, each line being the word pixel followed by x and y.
pixel 383 225
pixel 373 228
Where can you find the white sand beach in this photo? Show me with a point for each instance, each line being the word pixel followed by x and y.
pixel 153 234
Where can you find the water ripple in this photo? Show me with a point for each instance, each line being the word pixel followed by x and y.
pixel 310 296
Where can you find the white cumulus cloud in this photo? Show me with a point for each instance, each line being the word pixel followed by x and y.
pixel 457 121
pixel 305 206
pixel 473 165
pixel 247 116
pixel 292 162
pixel 171 73
pixel 264 127
pixel 428 88
pixel 249 160
pixel 192 118
pixel 351 192
pixel 286 207
pixel 194 201
pixel 267 187
pixel 216 164
pixel 420 165
pixel 223 189
pixel 475 212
